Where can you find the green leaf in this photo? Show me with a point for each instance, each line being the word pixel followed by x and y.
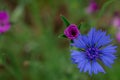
pixel 62 36
pixel 79 26
pixel 65 21
pixel 17 13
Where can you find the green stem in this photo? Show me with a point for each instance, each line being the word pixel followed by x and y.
pixel 91 77
pixel 105 5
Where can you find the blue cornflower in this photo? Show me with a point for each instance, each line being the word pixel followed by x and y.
pixel 93 49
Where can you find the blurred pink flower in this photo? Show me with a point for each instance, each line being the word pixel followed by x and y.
pixel 92 7
pixel 116 21
pixel 4 22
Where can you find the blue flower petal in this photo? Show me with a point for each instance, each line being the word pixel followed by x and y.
pixel 81 65
pixel 108 56
pixel 98 37
pixel 102 39
pixel 88 67
pixel 91 35
pixel 109 49
pixel 107 60
pixel 96 67
pixel 76 56
pixel 78 42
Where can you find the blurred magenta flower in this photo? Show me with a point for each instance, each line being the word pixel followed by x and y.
pixel 92 7
pixel 116 21
pixel 118 36
pixel 94 49
pixel 71 31
pixel 4 22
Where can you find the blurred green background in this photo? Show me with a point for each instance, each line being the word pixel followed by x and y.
pixel 31 49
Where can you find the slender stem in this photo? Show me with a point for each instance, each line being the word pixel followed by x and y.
pixel 91 77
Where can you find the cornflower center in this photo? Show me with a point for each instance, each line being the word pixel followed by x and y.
pixel 92 53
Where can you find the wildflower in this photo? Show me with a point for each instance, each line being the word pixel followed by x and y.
pixel 4 22
pixel 93 7
pixel 93 48
pixel 71 31
pixel 116 21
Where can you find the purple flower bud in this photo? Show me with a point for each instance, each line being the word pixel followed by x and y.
pixel 71 31
pixel 4 22
pixel 92 7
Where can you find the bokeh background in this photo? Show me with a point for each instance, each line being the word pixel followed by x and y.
pixel 31 49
